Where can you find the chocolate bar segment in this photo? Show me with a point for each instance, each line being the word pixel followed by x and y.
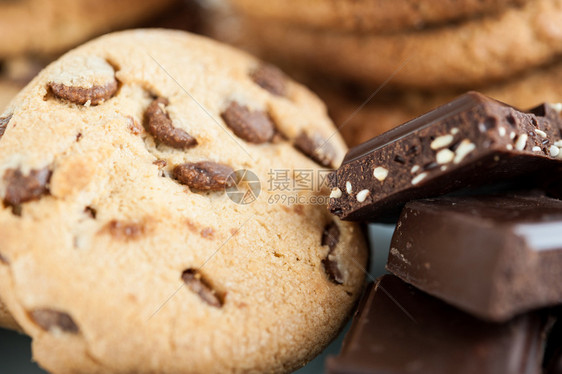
pixel 399 329
pixel 470 142
pixel 492 256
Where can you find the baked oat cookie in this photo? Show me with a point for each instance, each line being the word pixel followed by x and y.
pixel 380 16
pixel 121 251
pixel 48 27
pixel 388 110
pixel 461 55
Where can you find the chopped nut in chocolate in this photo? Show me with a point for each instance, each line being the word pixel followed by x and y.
pixel 50 320
pixel 204 175
pixel 317 148
pixel 159 125
pixel 199 285
pixel 23 188
pixel 252 126
pixel 270 78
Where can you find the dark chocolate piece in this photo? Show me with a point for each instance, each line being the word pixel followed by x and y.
pixel 399 329
pixel 493 256
pixel 471 142
pixel 553 354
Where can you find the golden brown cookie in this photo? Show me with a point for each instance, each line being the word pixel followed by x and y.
pixel 464 54
pixel 130 243
pixel 379 16
pixel 388 110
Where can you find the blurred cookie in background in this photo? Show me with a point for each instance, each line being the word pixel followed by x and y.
pixel 360 112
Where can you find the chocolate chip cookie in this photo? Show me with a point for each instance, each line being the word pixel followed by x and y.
pixel 123 247
pixel 464 54
pixel 380 16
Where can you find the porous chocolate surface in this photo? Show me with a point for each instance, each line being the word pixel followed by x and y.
pixel 471 142
pixel 492 256
pixel 399 329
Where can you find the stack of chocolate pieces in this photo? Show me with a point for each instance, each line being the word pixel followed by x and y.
pixel 476 257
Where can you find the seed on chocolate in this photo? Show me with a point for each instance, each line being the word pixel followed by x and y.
pixel 23 188
pixel 418 178
pixel 454 131
pixel 441 141
pixel 414 169
pixel 541 133
pixel 512 135
pixel 317 148
pixel 252 126
pixel 204 175
pixel 159 125
pixel 4 124
pixel 444 156
pixel 52 320
pixel 509 147
pixel 521 142
pixel 554 151
pixel 558 143
pixel 270 78
pixel 348 187
pixel 199 285
pixel 501 131
pixel 380 173
pixel 464 148
pixel 362 195
pixel 335 193
pixel 536 149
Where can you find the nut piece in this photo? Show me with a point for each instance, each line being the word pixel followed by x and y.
pixel 270 78
pixel 199 285
pixel 464 148
pixel 317 148
pixel 541 133
pixel 51 320
pixel 159 125
pixel 204 175
pixel 554 151
pixel 380 173
pixel 348 187
pixel 441 141
pixel 444 156
pixel 4 124
pixel 252 126
pixel 418 178
pixel 335 193
pixel 362 195
pixel 23 188
pixel 521 142
pixel 84 80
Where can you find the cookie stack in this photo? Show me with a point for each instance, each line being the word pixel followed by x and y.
pixel 124 246
pixel 476 255
pixel 410 56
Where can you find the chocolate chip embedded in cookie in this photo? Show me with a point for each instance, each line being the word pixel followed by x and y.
pixel 317 148
pixel 4 124
pixel 251 125
pixel 270 78
pixel 204 175
pixel 49 320
pixel 84 80
pixel 22 188
pixel 159 125
pixel 330 238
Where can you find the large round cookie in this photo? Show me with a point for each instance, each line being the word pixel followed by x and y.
pixel 121 251
pixel 474 52
pixel 380 16
pixel 52 26
pixel 360 120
